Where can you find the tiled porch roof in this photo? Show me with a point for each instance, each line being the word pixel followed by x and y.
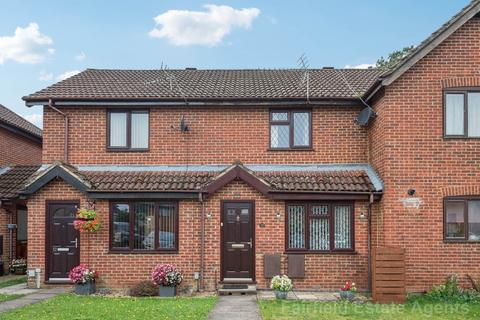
pixel 13 179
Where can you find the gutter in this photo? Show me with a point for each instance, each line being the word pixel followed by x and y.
pixel 65 117
pixel 369 245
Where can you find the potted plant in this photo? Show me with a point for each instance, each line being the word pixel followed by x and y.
pixel 87 221
pixel 348 291
pixel 168 278
pixel 281 285
pixel 18 266
pixel 84 279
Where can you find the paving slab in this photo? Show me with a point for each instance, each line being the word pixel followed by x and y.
pixel 33 296
pixel 236 308
pixel 17 289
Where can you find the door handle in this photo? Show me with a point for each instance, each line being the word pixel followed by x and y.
pixel 76 242
pixel 250 243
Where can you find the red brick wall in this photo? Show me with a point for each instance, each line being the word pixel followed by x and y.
pixel 323 271
pixel 15 149
pixel 217 136
pixel 409 152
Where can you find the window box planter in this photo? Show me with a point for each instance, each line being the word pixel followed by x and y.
pixel 85 289
pixel 167 291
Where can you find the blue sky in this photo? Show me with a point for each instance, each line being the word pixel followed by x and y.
pixel 61 37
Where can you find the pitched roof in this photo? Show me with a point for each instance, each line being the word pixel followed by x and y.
pixel 108 85
pixel 437 37
pixel 13 180
pixel 11 118
pixel 329 179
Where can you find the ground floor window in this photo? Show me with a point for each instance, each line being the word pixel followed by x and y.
pixel 144 226
pixel 320 226
pixel 462 219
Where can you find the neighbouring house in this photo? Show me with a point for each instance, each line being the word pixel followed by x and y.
pixel 20 157
pixel 236 175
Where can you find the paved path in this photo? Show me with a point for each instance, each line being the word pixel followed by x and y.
pixel 31 296
pixel 236 308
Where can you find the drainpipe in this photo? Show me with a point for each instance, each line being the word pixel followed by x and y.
pixel 10 236
pixel 65 116
pixel 369 244
pixel 202 242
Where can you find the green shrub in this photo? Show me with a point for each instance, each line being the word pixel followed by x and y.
pixel 452 292
pixel 144 289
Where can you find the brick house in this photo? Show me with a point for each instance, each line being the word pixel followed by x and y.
pixel 20 157
pixel 236 175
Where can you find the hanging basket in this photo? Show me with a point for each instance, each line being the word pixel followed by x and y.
pixel 87 221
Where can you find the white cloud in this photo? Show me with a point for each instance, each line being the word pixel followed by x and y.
pixel 36 119
pixel 67 74
pixel 27 45
pixel 45 76
pixel 81 56
pixel 360 66
pixel 184 27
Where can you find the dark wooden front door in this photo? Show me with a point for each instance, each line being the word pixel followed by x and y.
pixel 63 241
pixel 238 240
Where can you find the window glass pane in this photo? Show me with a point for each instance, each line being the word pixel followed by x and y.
pixel 167 225
pixel 280 136
pixel 144 238
pixel 474 220
pixel 342 216
pixel 319 234
pixel 301 129
pixel 139 130
pixel 121 226
pixel 118 129
pixel 474 114
pixel 21 225
pixel 296 226
pixel 454 114
pixel 455 219
pixel 320 210
pixel 279 116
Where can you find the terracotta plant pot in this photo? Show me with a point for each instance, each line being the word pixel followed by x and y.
pixel 85 289
pixel 347 295
pixel 281 294
pixel 164 291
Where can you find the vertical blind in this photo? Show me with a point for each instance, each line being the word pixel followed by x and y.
pixel 342 216
pixel 139 130
pixel 144 226
pixel 166 225
pixel 118 129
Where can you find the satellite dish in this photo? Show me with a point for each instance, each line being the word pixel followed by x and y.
pixel 183 125
pixel 364 116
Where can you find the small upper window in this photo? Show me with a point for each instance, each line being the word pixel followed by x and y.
pixel 462 114
pixel 128 130
pixel 290 129
pixel 462 219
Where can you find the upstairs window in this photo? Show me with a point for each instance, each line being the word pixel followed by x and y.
pixel 290 129
pixel 128 130
pixel 462 114
pixel 462 219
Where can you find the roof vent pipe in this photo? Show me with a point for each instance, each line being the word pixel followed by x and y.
pixel 65 140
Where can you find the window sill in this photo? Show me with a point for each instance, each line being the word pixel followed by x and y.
pixel 323 252
pixel 143 252
pixel 460 241
pixel 460 138
pixel 127 150
pixel 290 149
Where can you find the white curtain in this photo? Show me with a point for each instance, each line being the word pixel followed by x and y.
pixel 139 130
pixel 474 114
pixel 296 226
pixel 167 225
pixel 118 129
pixel 454 114
pixel 342 216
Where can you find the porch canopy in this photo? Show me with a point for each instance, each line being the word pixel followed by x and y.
pixel 283 182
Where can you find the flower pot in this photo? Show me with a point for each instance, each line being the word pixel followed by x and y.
pixel 164 291
pixel 85 289
pixel 347 295
pixel 281 294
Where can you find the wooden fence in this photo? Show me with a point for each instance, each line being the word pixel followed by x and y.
pixel 388 275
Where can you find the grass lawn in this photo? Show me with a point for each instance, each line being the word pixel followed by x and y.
pixel 10 280
pixel 74 307
pixel 335 311
pixel 6 297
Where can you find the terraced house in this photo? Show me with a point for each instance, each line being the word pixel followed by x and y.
pixel 237 175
